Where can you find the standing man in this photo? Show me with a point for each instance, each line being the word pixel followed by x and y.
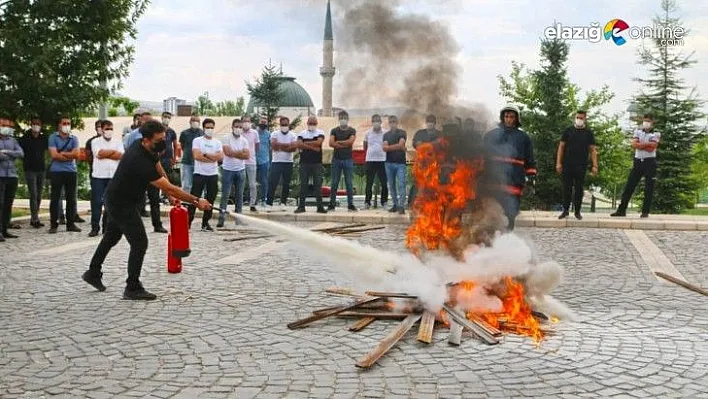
pixel 139 167
pixel 10 151
pixel 107 153
pixel 511 160
pixel 253 146
pixel 35 145
pixel 263 160
pixel 284 144
pixel 89 153
pixel 375 161
pixel 168 158
pixel 309 142
pixel 427 135
pixel 341 139
pixel 577 143
pixel 135 125
pixel 644 142
pixel 185 141
pixel 64 150
pixel 207 152
pixel 394 145
pixel 233 169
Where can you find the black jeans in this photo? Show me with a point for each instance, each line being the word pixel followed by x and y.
pixel 200 182
pixel 307 171
pixel 35 186
pixel 642 168
pixel 123 220
pixel 8 188
pixel 278 171
pixel 376 169
pixel 573 180
pixel 67 182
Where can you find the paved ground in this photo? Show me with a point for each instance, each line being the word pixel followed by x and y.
pixel 219 328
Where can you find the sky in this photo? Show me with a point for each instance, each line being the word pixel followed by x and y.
pixel 185 48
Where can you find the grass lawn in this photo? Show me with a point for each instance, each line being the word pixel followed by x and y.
pixel 20 212
pixel 696 211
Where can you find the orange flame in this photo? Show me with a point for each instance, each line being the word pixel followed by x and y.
pixel 516 314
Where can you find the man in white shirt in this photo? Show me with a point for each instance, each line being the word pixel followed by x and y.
pixel 284 145
pixel 375 161
pixel 251 167
pixel 644 142
pixel 233 170
pixel 207 152
pixel 107 152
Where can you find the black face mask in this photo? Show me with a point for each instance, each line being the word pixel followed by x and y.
pixel 159 146
pixel 263 127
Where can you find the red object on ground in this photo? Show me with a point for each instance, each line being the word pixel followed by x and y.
pixel 359 157
pixel 174 264
pixel 179 230
pixel 326 190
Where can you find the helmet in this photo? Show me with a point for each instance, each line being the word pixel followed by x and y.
pixel 514 109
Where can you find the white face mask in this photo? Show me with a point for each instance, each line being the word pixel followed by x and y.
pixel 107 134
pixel 343 122
pixel 377 125
pixel 208 132
pixel 237 131
pixel 246 125
pixel 7 131
pixel 166 121
pixel 194 125
pixel 311 128
pixel 36 128
pixel 66 129
pixel 430 125
pixel 646 125
pixel 579 122
pixel 285 129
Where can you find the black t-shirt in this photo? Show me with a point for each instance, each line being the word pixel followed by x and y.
pixel 392 137
pixel 343 135
pixel 135 171
pixel 309 156
pixel 34 148
pixel 577 146
pixel 425 136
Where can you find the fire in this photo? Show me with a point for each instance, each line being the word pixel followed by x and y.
pixel 516 314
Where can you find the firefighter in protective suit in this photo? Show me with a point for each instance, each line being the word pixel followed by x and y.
pixel 510 162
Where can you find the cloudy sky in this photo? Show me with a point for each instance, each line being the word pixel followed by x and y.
pixel 187 47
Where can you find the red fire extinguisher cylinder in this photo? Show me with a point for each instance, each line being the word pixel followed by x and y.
pixel 179 230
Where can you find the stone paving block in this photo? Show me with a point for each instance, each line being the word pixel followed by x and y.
pixel 550 222
pixel 524 221
pixel 585 223
pixel 615 223
pixel 647 224
pixel 684 225
pixel 702 225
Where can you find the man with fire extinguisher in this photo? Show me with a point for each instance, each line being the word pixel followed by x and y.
pixel 139 167
pixel 511 163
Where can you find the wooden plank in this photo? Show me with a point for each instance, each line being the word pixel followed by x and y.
pixel 340 291
pixel 427 324
pixel 336 228
pixel 320 316
pixel 360 230
pixel 470 325
pixel 327 309
pixel 246 238
pixel 391 294
pixel 363 322
pixel 490 328
pixel 388 342
pixel 455 333
pixel 682 283
pixel 378 315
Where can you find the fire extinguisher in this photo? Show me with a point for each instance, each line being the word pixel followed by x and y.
pixel 178 239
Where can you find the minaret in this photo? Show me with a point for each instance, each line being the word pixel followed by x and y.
pixel 327 70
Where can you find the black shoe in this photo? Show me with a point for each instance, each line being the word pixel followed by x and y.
pixel 14 226
pixel 62 220
pixel 393 210
pixel 352 208
pixel 78 219
pixel 401 211
pixel 253 209
pixel 2 239
pixel 39 225
pixel 300 210
pixel 644 215
pixel 321 210
pixel 8 235
pixel 207 227
pixel 94 280
pixel 53 230
pixel 93 233
pixel 578 216
pixel 138 293
pixel 563 215
pixel 220 224
pixel 618 214
pixel 73 229
pixel 144 213
pixel 331 208
pixel 160 229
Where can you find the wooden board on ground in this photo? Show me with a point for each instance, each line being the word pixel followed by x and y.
pixel 320 316
pixel 388 342
pixel 471 325
pixel 455 333
pixel 682 283
pixel 427 324
pixel 362 323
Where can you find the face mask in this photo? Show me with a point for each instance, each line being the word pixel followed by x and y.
pixel 160 146
pixel 237 131
pixel 377 125
pixel 646 125
pixel 66 129
pixel 194 125
pixel 36 128
pixel 263 126
pixel 430 125
pixel 7 131
pixel 284 129
pixel 246 125
pixel 343 122
pixel 165 121
pixel 107 134
pixel 208 132
pixel 579 122
pixel 311 128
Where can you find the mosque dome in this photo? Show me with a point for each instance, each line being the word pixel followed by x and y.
pixel 294 96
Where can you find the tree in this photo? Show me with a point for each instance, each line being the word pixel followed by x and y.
pixel 700 164
pixel 548 101
pixel 55 54
pixel 230 108
pixel 267 93
pixel 676 115
pixel 204 105
pixel 128 105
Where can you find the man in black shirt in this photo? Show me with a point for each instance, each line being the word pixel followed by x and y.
pixel 139 167
pixel 577 143
pixel 341 138
pixel 394 145
pixel 427 135
pixel 309 142
pixel 35 145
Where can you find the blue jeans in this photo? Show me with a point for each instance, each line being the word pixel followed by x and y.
pixel 228 179
pixel 511 204
pixel 339 165
pixel 396 176
pixel 262 172
pixel 187 176
pixel 98 191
